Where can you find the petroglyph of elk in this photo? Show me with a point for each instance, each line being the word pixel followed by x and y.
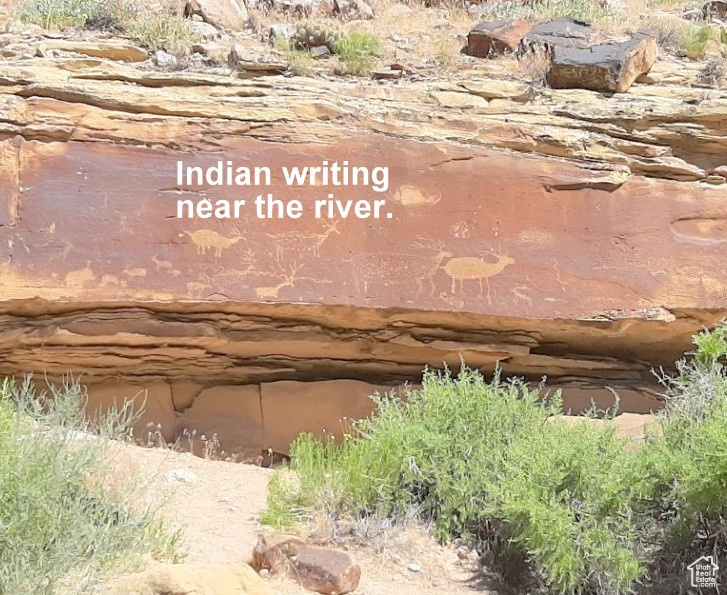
pixel 303 242
pixel 264 293
pixel 471 268
pixel 206 239
pixel 387 267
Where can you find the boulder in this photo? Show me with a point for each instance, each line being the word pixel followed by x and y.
pixel 184 579
pixel 610 67
pixel 715 9
pixel 496 38
pixel 565 32
pixel 205 31
pixel 327 571
pixel 273 551
pixel 351 10
pixel 223 14
pixel 280 31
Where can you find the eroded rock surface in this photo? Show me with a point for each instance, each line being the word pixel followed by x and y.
pixel 558 233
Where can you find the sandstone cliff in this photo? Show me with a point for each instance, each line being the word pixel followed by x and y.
pixel 561 233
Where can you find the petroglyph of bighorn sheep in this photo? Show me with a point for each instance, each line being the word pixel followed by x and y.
pixel 471 268
pixel 303 242
pixel 387 267
pixel 78 278
pixel 206 239
pixel 264 293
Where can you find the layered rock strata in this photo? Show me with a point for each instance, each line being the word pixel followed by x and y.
pixel 559 233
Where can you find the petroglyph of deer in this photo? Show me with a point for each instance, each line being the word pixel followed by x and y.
pixel 264 293
pixel 303 242
pixel 520 295
pixel 399 268
pixel 206 239
pixel 471 268
pixel 135 273
pixel 195 289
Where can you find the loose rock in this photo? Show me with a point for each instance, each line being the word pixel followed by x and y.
pixel 715 9
pixel 326 571
pixel 165 60
pixel 386 74
pixel 205 31
pixel 607 67
pixel 496 38
pixel 272 552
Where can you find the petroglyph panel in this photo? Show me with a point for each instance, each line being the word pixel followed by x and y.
pixel 98 223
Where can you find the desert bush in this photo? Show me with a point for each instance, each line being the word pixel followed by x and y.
pixel 93 14
pixel 60 528
pixel 696 39
pixel 310 35
pixel 163 31
pixel 358 52
pixel 554 505
pixel 540 10
pixel 299 61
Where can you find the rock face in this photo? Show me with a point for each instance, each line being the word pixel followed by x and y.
pixel 564 233
pixel 607 67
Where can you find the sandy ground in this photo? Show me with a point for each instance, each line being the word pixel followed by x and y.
pixel 218 506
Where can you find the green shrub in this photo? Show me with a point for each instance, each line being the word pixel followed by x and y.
pixel 358 52
pixel 695 40
pixel 551 504
pixel 59 525
pixel 93 14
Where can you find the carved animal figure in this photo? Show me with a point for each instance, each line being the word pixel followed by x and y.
pixel 205 239
pixel 264 293
pixel 303 242
pixel 387 267
pixel 470 268
pixel 195 289
pixel 77 279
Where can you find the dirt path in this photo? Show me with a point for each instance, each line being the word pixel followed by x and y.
pixel 218 505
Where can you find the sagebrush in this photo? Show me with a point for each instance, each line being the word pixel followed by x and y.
pixel 564 507
pixel 61 528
